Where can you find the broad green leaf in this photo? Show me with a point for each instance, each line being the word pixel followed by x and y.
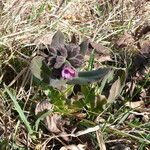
pixel 89 94
pixel 58 39
pixel 87 77
pixel 79 104
pixel 40 70
pixel 20 111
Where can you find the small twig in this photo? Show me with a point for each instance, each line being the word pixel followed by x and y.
pixel 17 77
pixel 58 8
pixel 89 130
pixel 100 140
pixel 79 133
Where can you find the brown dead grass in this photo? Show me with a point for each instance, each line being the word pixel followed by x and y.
pixel 23 23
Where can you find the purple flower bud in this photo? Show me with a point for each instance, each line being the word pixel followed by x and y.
pixel 68 73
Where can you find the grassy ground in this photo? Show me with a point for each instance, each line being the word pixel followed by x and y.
pixel 74 121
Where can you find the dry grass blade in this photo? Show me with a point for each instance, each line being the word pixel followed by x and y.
pixel 100 140
pixel 73 147
pixel 117 29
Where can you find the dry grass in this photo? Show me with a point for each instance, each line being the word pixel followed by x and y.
pixel 24 23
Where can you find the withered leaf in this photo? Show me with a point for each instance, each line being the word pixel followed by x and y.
pixel 141 30
pixel 43 41
pixel 55 123
pixel 1 132
pixel 121 147
pixel 58 39
pixel 99 48
pixel 84 46
pixel 74 39
pixel 42 106
pixel 100 139
pixel 125 40
pixel 79 115
pixel 135 105
pixel 145 48
pixel 114 91
pixel 138 4
pixel 141 61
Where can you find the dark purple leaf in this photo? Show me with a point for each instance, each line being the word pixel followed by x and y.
pixel 59 62
pixel 73 50
pixel 76 62
pixel 80 57
pixel 52 51
pixel 51 61
pixel 63 51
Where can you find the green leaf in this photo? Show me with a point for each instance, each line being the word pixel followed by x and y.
pixel 88 93
pixel 91 60
pixel 142 146
pixel 4 144
pixel 20 111
pixel 79 104
pixel 58 39
pixel 49 6
pixel 98 104
pixel 88 77
pixel 39 69
pixel 33 13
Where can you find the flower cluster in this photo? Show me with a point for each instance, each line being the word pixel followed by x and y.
pixel 68 73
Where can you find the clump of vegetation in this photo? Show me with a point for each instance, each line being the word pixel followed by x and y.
pixel 74 75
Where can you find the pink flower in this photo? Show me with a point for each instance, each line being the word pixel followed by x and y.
pixel 68 73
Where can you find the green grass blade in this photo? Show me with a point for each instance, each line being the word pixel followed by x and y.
pixel 142 146
pixel 91 61
pixel 20 111
pixel 41 118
